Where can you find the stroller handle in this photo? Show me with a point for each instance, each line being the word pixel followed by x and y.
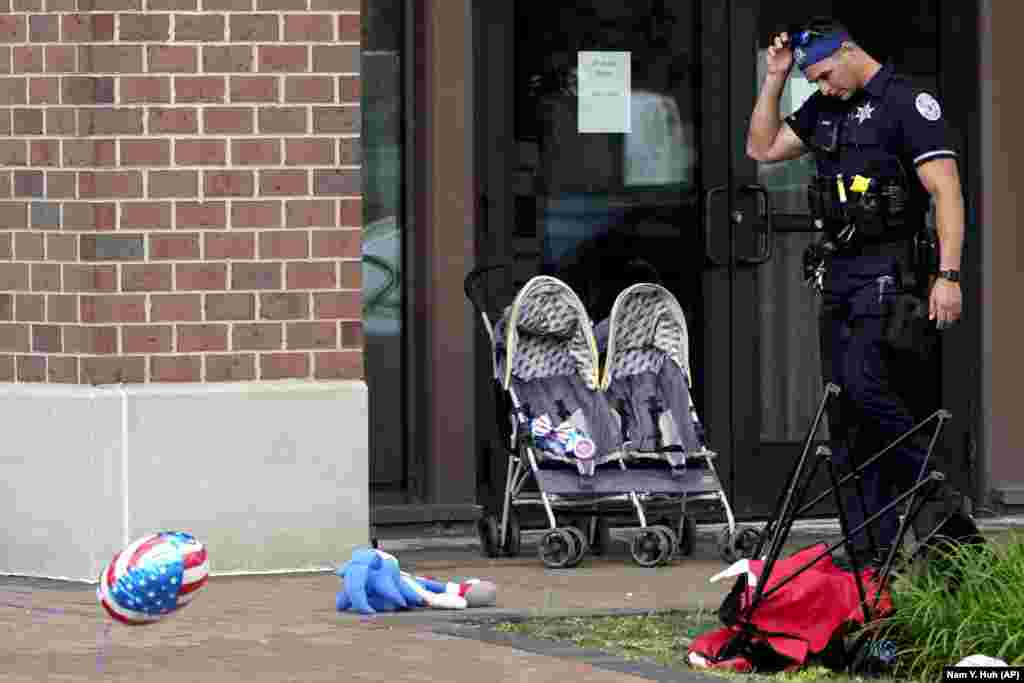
pixel 471 285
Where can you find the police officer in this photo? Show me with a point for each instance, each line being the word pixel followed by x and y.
pixel 882 150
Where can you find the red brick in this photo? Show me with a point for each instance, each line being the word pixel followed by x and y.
pixel 116 59
pixel 171 5
pixel 177 246
pixel 230 120
pixel 318 89
pixel 90 278
pixel 253 28
pixel 201 276
pixel 164 184
pixel 45 153
pixel 311 335
pixel 113 370
pixel 116 308
pixel 343 120
pixel 12 29
pixel 29 307
pixel 349 89
pixel 276 183
pixel 86 28
pixel 14 276
pixel 175 368
pixel 228 183
pixel 112 121
pixel 289 244
pixel 284 365
pixel 28 246
pixel 176 307
pixel 145 277
pixel 351 153
pixel 60 59
pixel 350 28
pixel 254 276
pixel 46 277
pixel 352 335
pixel 233 306
pixel 316 213
pixel 144 27
pixel 44 91
pixel 351 274
pixel 254 88
pixel 28 184
pixel 337 182
pixel 61 247
pixel 256 214
pixel 203 89
pixel 91 340
pixel 31 368
pixel 284 306
pixel 145 152
pixel 203 27
pixel 236 367
pixel 173 120
pixel 342 59
pixel 255 152
pixel 311 276
pixel 100 184
pixel 90 153
pixel 62 308
pixel 230 245
pixel 329 305
pixel 90 216
pixel 255 337
pixel 308 28
pixel 172 59
pixel 202 338
pixel 62 370
pixel 147 338
pixel 227 59
pixel 145 89
pixel 191 215
pixel 283 120
pixel 278 5
pixel 339 365
pixel 309 151
pixel 145 215
pixel 200 152
pixel 284 58
pixel 16 338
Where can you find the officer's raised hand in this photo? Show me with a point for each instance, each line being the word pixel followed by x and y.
pixel 780 56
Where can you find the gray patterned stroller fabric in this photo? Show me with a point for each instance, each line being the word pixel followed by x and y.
pixel 647 374
pixel 546 356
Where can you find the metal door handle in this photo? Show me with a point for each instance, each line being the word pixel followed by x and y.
pixel 708 225
pixel 766 241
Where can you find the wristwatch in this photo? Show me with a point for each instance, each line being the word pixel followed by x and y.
pixel 951 275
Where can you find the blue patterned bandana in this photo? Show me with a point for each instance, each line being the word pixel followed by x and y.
pixel 809 48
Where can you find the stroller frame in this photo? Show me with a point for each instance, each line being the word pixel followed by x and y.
pixel 791 504
pixel 566 546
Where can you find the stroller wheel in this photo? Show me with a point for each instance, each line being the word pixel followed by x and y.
pixel 557 548
pixel 687 535
pixel 581 545
pixel 488 530
pixel 650 546
pixel 602 537
pixel 727 546
pixel 673 540
pixel 746 543
pixel 513 535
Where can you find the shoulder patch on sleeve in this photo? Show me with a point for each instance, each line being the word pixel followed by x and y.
pixel 928 107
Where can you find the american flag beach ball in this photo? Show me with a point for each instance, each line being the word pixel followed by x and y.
pixel 153 577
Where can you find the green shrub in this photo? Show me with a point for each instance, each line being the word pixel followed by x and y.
pixel 965 600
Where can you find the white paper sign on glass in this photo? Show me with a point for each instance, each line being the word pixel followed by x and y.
pixel 603 90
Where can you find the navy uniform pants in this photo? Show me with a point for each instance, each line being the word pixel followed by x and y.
pixel 873 408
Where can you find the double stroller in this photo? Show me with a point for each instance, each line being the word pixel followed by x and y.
pixel 596 439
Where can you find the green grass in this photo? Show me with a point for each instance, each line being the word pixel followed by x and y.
pixel 936 624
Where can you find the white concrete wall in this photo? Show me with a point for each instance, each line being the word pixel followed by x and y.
pixel 270 476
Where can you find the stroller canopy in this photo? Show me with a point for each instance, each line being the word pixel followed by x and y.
pixel 547 332
pixel 646 326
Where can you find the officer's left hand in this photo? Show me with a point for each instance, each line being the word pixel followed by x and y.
pixel 946 302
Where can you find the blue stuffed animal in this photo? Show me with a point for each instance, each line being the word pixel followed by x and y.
pixel 373 582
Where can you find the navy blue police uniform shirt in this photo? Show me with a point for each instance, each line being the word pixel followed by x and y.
pixel 886 130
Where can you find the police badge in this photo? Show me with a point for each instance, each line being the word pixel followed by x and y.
pixel 928 107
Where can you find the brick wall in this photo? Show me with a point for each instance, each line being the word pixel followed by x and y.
pixel 180 190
